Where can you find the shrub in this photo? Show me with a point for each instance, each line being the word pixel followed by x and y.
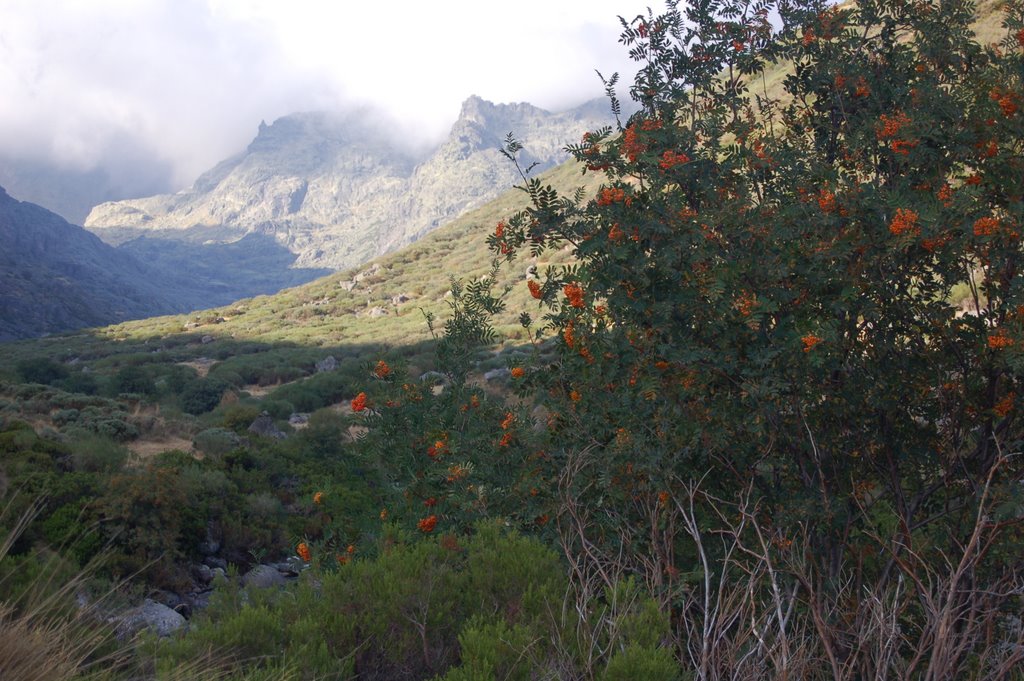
pixel 637 662
pixel 97 454
pixel 759 300
pixel 202 395
pixel 405 612
pixel 133 379
pixel 41 370
pixel 238 417
pixel 278 409
pixel 497 651
pixel 80 382
pixel 215 441
pixel 144 515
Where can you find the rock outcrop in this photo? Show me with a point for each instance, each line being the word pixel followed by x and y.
pixel 331 191
pixel 160 619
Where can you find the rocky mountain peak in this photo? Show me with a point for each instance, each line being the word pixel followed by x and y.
pixel 482 112
pixel 337 189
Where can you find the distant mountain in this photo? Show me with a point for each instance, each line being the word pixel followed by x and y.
pixel 55 276
pixel 334 191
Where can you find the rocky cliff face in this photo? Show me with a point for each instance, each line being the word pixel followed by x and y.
pixel 334 190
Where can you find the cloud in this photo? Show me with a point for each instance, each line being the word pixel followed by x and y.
pixel 186 82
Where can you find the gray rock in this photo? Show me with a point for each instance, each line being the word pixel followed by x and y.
pixel 499 374
pixel 263 577
pixel 369 272
pixel 202 573
pixel 399 299
pixel 206 339
pixel 200 599
pixel 208 547
pixel 328 363
pixel 433 377
pixel 216 563
pixel 168 598
pixel 158 618
pixel 264 425
pixel 377 311
pixel 290 568
pixel 298 419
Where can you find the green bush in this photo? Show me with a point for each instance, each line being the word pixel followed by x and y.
pixel 80 382
pixel 639 662
pixel 278 409
pixel 71 529
pixel 41 370
pixel 202 395
pixel 405 612
pixel 97 454
pixel 238 417
pixel 497 651
pixel 759 300
pixel 315 392
pixel 63 417
pixel 215 441
pixel 133 379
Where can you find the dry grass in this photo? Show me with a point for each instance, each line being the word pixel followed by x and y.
pixel 44 634
pixel 146 448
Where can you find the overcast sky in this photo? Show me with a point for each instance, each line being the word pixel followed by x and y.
pixel 89 83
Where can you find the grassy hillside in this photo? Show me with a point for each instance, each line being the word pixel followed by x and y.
pixel 337 311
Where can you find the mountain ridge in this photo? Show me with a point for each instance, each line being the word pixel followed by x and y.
pixel 336 190
pixel 57 276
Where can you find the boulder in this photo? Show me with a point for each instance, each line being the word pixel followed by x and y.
pixel 433 377
pixel 156 617
pixel 328 363
pixel 202 573
pixel 264 426
pixel 263 577
pixel 499 374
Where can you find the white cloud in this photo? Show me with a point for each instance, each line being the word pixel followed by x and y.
pixel 187 81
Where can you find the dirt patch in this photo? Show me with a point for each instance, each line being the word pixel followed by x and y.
pixel 354 431
pixel 145 449
pixel 201 365
pixel 260 391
